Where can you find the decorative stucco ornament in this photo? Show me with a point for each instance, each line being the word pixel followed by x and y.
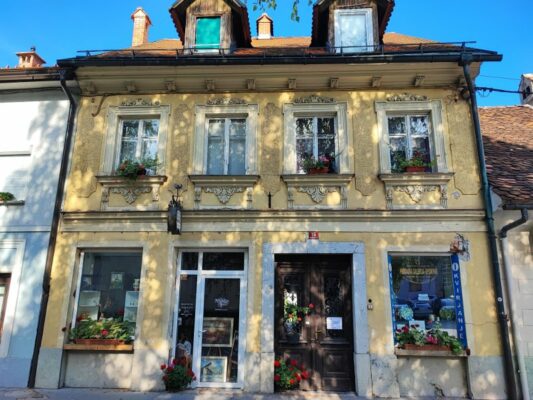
pixel 314 99
pixel 415 191
pixel 224 193
pixel 130 194
pixel 225 101
pixel 461 246
pixel 407 97
pixel 317 193
pixel 140 103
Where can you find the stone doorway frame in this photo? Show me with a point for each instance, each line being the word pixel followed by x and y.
pixel 361 356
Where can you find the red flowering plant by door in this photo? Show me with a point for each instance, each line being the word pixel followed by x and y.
pixel 177 375
pixel 288 373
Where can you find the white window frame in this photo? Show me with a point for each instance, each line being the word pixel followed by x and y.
pixel 292 111
pixel 114 133
pixel 367 13
pixel 432 108
pixel 244 309
pixel 204 113
pixel 15 270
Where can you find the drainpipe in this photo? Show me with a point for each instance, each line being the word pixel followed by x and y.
pixel 509 371
pixel 55 224
pixel 522 373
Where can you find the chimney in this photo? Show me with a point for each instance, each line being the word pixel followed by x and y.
pixel 265 27
pixel 30 59
pixel 141 23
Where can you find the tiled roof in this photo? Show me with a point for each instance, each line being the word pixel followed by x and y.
pixel 508 140
pixel 276 46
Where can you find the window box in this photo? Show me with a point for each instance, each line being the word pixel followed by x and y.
pixel 445 352
pixel 119 348
pixel 107 342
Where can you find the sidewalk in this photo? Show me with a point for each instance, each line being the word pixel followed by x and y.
pixel 90 394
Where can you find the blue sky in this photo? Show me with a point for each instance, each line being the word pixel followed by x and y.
pixel 61 27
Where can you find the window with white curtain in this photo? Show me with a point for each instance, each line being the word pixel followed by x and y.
pixel 226 148
pixel 225 140
pixel 353 30
pixel 139 139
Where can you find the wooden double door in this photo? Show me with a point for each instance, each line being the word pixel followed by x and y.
pixel 324 344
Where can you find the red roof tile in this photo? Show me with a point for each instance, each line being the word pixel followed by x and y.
pixel 508 140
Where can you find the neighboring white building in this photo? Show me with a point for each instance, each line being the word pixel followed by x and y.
pixel 508 139
pixel 526 87
pixel 33 114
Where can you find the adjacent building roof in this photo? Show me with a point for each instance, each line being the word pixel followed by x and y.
pixel 508 140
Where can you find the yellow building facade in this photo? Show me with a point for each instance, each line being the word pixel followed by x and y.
pixel 372 248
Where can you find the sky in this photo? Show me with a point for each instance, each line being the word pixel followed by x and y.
pixel 59 28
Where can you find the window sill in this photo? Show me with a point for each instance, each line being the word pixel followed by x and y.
pixel 108 348
pixel 130 190
pixel 426 178
pixel 415 184
pixel 428 353
pixel 223 187
pixel 12 203
pixel 317 188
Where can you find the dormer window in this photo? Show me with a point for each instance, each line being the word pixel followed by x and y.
pixel 353 30
pixel 207 33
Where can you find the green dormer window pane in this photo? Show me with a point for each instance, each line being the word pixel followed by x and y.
pixel 208 33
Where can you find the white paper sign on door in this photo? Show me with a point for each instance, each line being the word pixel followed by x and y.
pixel 334 323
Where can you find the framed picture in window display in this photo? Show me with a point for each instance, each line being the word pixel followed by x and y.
pixel 106 307
pixel 426 293
pixel 218 332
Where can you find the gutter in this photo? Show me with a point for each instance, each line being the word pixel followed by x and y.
pixel 522 372
pixel 509 370
pixel 63 75
pixel 179 60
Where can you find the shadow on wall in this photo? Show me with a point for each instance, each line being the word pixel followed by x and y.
pixel 31 221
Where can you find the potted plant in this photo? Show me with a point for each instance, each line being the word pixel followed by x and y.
pixel 177 375
pixel 103 332
pixel 321 165
pixel 6 196
pixel 435 339
pixel 419 162
pixel 132 169
pixel 293 316
pixel 288 374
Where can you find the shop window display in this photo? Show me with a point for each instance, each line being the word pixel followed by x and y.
pixel 426 293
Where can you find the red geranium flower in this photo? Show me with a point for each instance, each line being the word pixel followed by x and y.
pixel 294 363
pixel 163 366
pixel 277 364
pixel 291 382
pixel 311 306
pixel 104 332
pixel 175 361
pixel 277 378
pixel 298 377
pixel 305 374
pixel 170 369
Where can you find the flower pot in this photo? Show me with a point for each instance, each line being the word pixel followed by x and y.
pixel 293 337
pixel 415 169
pixel 112 342
pixel 425 347
pixel 316 171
